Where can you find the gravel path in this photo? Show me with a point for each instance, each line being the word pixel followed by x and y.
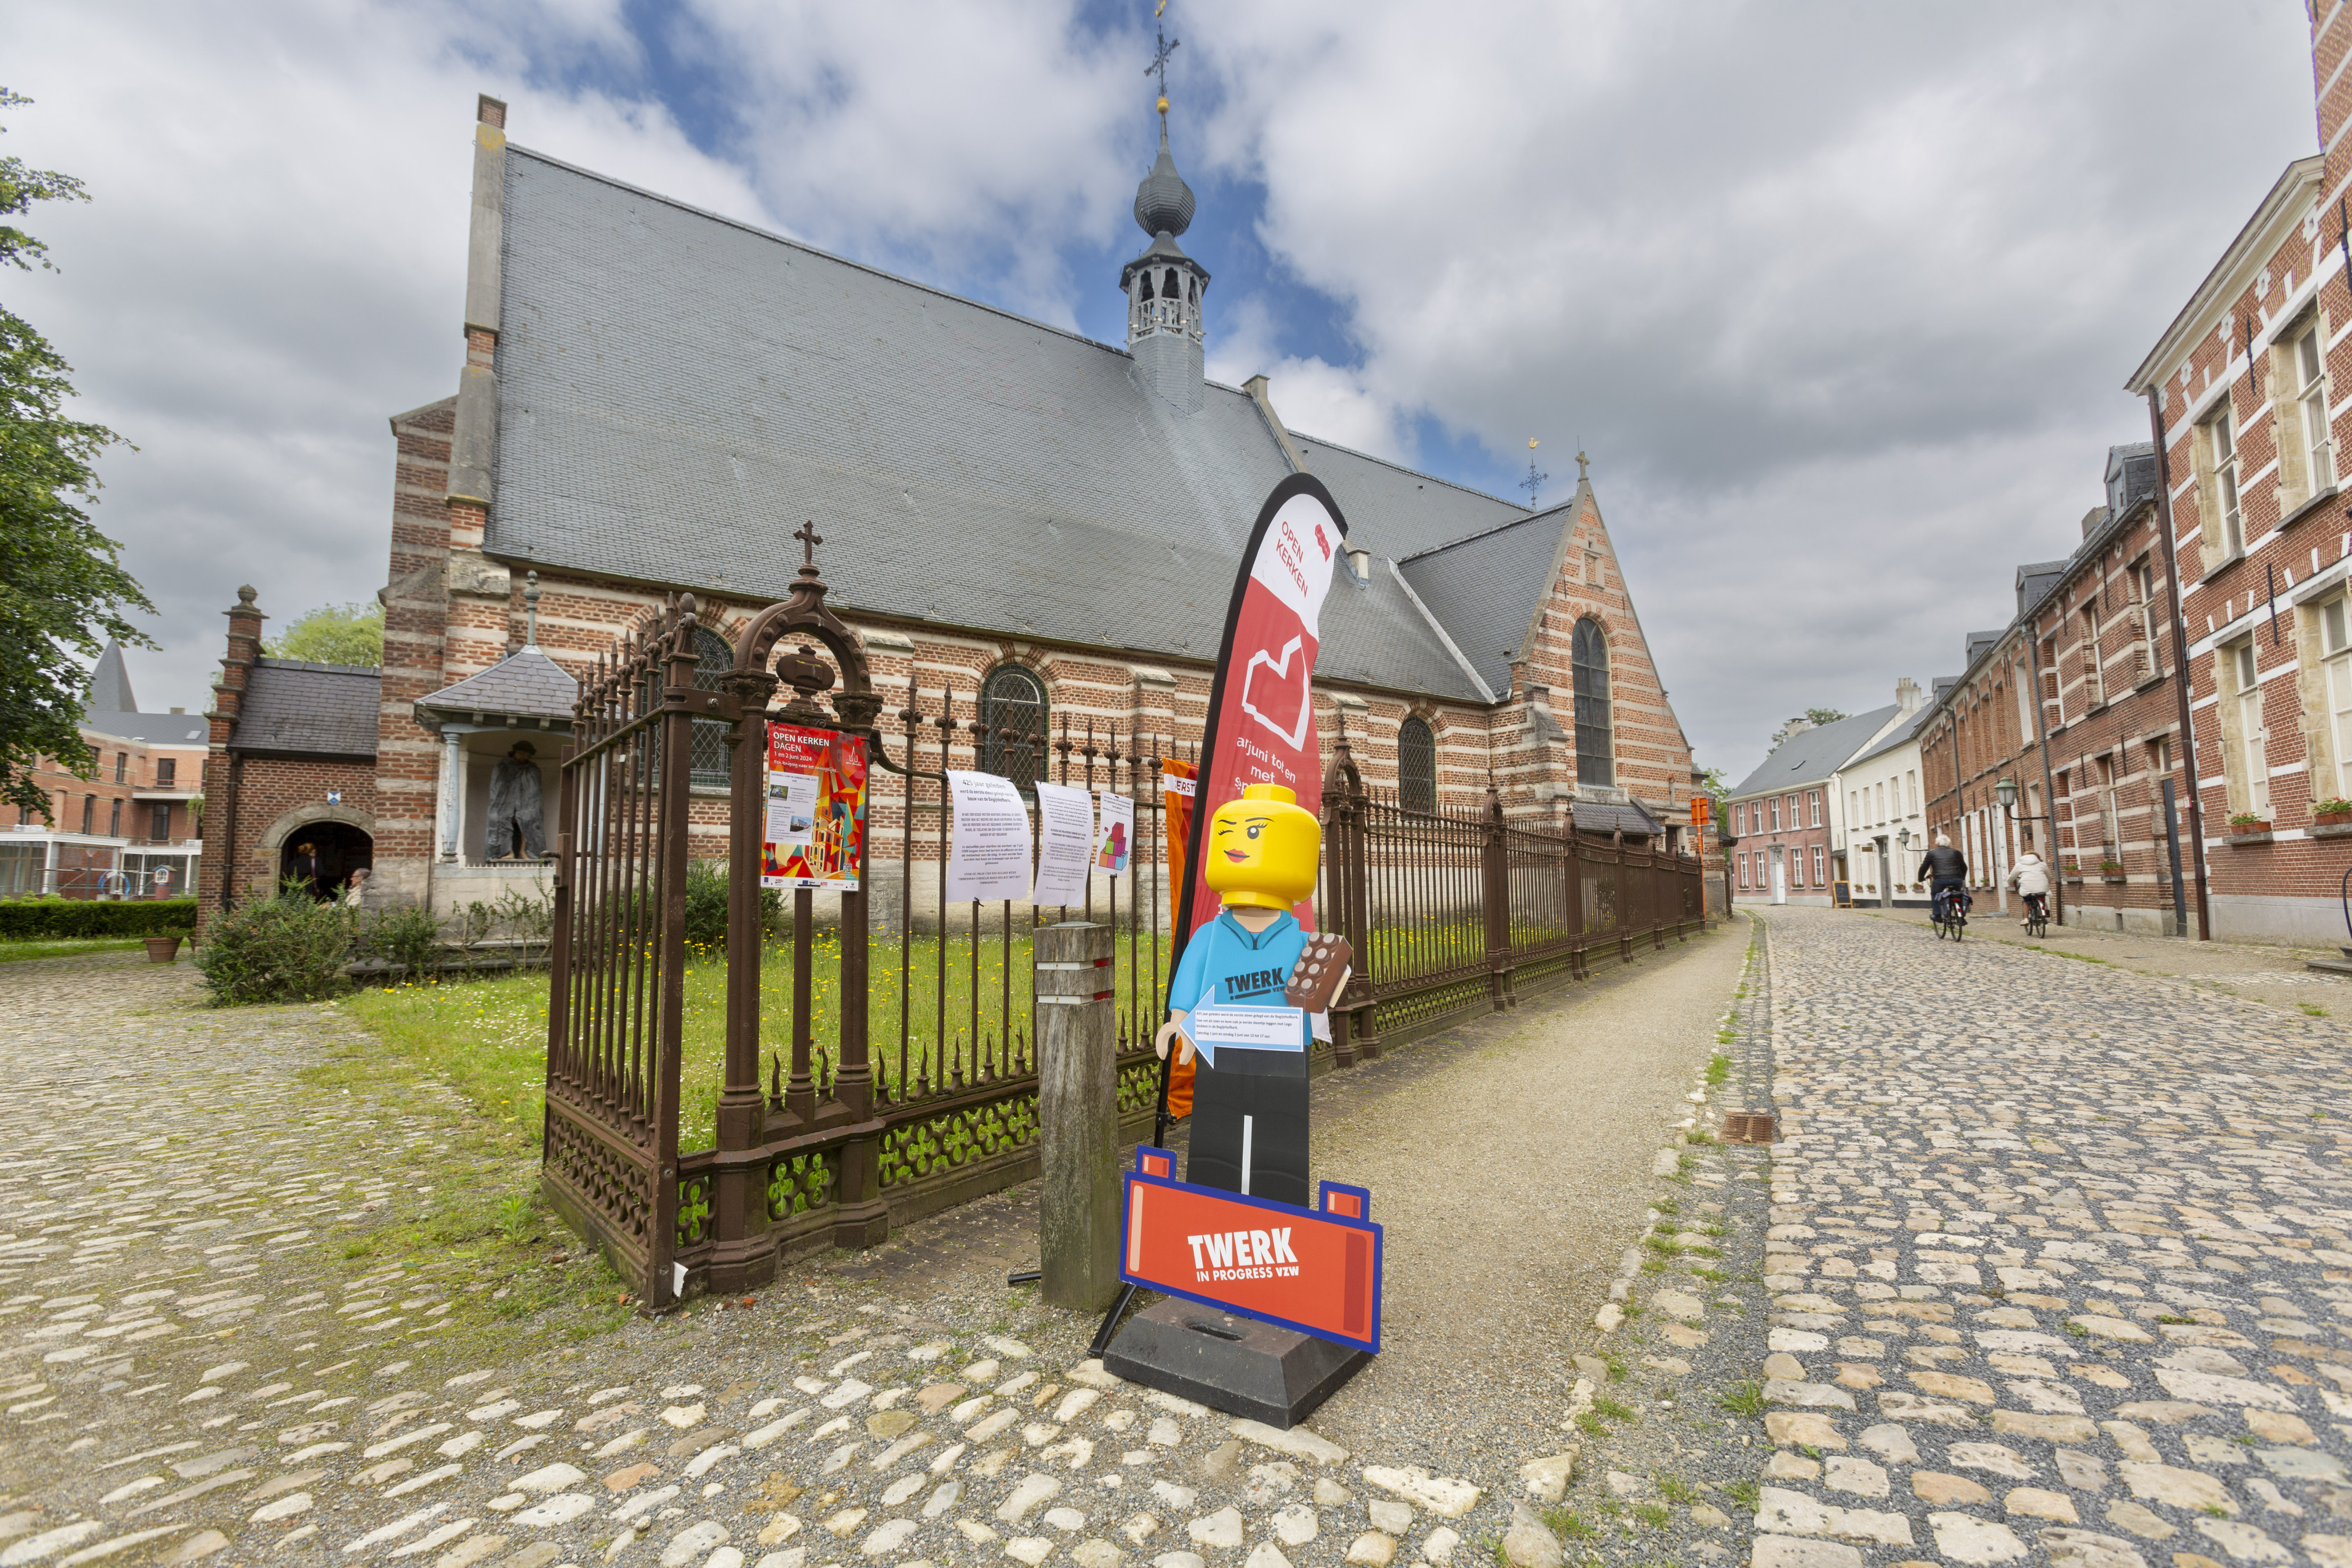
pixel 208 1352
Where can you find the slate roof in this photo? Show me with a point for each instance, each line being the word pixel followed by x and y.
pixel 678 392
pixel 526 683
pixel 153 729
pixel 1485 590
pixel 1810 756
pixel 1591 817
pixel 292 709
pixel 110 684
pixel 1904 731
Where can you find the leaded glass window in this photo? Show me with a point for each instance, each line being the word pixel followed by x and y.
pixel 1416 767
pixel 1594 753
pixel 712 659
pixel 1012 718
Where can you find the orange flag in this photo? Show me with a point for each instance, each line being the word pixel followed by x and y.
pixel 1176 796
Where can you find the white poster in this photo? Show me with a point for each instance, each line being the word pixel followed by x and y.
pixel 988 853
pixel 1065 843
pixel 791 807
pixel 1115 837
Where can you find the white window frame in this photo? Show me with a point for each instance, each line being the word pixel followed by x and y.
pixel 2222 457
pixel 2245 679
pixel 2335 668
pixel 2306 364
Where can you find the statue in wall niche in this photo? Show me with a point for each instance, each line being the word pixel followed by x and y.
pixel 517 824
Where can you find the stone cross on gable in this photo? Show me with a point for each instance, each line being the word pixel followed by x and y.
pixel 810 539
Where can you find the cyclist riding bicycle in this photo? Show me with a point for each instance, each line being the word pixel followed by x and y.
pixel 1946 869
pixel 2032 878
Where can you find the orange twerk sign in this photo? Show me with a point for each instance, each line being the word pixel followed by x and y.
pixel 1316 1270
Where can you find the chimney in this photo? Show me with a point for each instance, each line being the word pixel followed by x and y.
pixel 1360 563
pixel 1908 699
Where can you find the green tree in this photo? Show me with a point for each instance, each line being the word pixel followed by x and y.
pixel 1815 716
pixel 334 634
pixel 63 591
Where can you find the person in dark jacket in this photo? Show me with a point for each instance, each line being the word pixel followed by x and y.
pixel 1944 867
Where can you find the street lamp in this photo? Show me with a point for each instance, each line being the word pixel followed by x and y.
pixel 2006 789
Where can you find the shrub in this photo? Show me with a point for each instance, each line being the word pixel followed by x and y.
pixel 290 949
pixel 705 905
pixel 403 936
pixel 2336 807
pixel 56 919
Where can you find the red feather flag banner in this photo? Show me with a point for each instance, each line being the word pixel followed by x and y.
pixel 1261 727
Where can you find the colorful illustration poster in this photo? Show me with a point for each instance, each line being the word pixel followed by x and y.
pixel 816 831
pixel 1117 834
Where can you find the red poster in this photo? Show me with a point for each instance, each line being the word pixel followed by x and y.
pixel 815 833
pixel 1261 727
pixel 1316 1270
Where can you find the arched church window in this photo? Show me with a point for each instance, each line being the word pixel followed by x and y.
pixel 1013 722
pixel 1590 661
pixel 1416 767
pixel 712 659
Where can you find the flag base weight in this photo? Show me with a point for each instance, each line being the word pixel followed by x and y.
pixel 1238 1365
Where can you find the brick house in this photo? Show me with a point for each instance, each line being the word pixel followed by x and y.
pixel 1787 816
pixel 290 760
pixel 2243 388
pixel 1039 528
pixel 129 831
pixel 2076 707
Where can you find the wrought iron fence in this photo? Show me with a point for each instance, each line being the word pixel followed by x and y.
pixel 829 1131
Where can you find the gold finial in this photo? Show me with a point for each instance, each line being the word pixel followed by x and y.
pixel 1163 103
pixel 1531 444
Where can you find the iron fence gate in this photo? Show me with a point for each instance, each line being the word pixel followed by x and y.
pixel 829 1129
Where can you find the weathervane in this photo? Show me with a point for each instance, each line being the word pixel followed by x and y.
pixel 1533 484
pixel 1159 66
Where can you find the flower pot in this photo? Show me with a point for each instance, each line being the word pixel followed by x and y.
pixel 2239 829
pixel 163 949
pixel 2332 819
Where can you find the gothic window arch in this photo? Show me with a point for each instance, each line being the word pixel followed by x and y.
pixel 712 659
pixel 1012 720
pixel 1590 658
pixel 1416 766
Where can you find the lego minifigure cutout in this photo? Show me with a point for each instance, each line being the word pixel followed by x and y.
pixel 1227 999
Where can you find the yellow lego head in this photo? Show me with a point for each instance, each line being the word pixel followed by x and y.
pixel 1262 849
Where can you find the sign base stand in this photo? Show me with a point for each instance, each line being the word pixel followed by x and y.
pixel 1239 1366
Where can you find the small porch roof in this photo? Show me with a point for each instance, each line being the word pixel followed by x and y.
pixel 526 687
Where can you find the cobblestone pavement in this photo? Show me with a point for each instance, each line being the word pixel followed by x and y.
pixel 205 1355
pixel 2059 1263
pixel 2266 971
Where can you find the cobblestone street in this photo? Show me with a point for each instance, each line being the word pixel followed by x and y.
pixel 212 1354
pixel 2058 1260
pixel 2048 1265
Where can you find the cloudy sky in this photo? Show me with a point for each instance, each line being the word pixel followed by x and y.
pixel 1837 296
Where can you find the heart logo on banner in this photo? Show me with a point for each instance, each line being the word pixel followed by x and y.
pixel 1296 690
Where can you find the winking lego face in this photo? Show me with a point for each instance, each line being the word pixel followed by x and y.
pixel 1262 849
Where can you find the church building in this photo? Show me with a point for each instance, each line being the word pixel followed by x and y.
pixel 1042 527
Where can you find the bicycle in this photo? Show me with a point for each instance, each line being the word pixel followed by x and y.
pixel 2037 915
pixel 1950 915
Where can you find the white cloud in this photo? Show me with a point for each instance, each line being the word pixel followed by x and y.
pixel 1837 297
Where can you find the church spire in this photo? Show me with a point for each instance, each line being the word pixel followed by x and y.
pixel 1163 286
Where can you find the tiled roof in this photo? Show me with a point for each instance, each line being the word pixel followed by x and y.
pixel 298 709
pixel 678 393
pixel 526 683
pixel 1484 589
pixel 153 729
pixel 1810 756
pixel 1593 817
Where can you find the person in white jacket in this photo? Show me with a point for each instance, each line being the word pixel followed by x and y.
pixel 2032 878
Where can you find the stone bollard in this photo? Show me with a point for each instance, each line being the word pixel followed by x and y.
pixel 1078 1115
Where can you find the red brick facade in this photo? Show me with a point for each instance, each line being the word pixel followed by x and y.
pixel 2254 386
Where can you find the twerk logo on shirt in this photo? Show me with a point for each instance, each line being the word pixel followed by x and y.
pixel 1254 983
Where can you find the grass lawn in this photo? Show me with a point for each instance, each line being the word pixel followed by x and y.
pixel 17 952
pixel 488 1038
